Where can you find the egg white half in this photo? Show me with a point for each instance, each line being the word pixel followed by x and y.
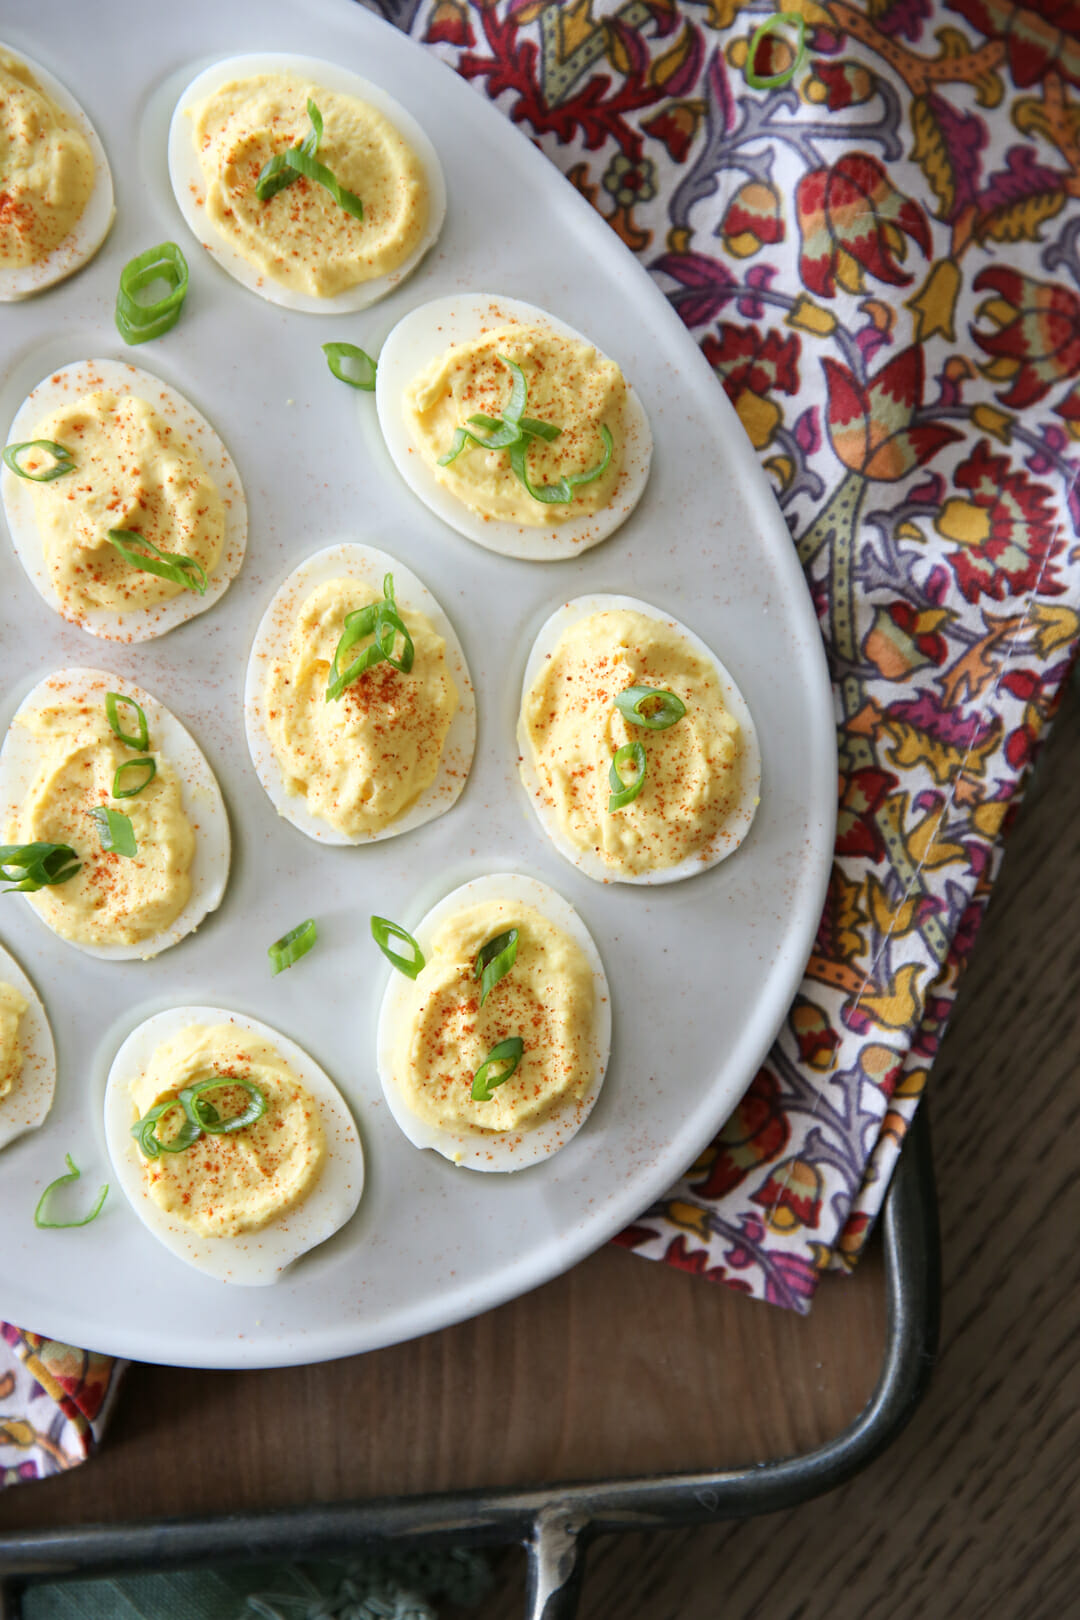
pixel 199 791
pixel 253 1258
pixel 26 1106
pixel 72 382
pixel 92 226
pixel 420 338
pixel 367 565
pixel 189 182
pixel 736 824
pixel 496 1150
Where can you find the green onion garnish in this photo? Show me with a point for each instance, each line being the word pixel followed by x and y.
pixel 28 867
pixel 62 460
pixel 664 708
pixel 205 1117
pixel 494 961
pixel 147 767
pixel 138 321
pixel 508 1051
pixel 74 1174
pixel 172 565
pixel 112 701
pixel 383 931
pixel 285 177
pixel 115 831
pixel 351 365
pixel 622 792
pixel 513 432
pixel 380 620
pixel 145 1133
pixel 293 945
pixel 771 25
pixel 302 160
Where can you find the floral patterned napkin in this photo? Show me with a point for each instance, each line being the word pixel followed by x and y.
pixel 881 262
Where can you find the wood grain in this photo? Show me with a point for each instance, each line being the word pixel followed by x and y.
pixel 624 1365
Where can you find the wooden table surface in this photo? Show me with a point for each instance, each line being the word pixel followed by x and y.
pixel 625 1366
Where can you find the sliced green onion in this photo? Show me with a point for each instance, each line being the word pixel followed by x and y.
pixel 137 321
pixel 205 1117
pixel 147 766
pixel 623 792
pixel 494 961
pixel 563 491
pixel 172 565
pixel 282 169
pixel 112 703
pixel 380 620
pixel 388 627
pixel 508 1051
pixel 62 460
pixel 351 365
pixel 293 945
pixel 29 867
pixel 771 25
pixel 150 1143
pixel 632 703
pixel 309 144
pixel 383 931
pixel 115 831
pixel 74 1174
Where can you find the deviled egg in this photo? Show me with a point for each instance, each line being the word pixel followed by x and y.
pixel 636 747
pixel 58 191
pixel 27 1055
pixel 127 511
pixel 494 1052
pixel 95 765
pixel 348 757
pixel 340 235
pixel 510 426
pixel 233 1147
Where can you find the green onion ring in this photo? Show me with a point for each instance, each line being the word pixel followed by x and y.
pixel 630 703
pixel 299 160
pixel 41 866
pixel 377 619
pixel 494 961
pixel 779 19
pixel 150 1142
pixel 137 322
pixel 623 793
pixel 293 945
pixel 205 1117
pixel 112 702
pixel 185 571
pixel 342 355
pixel 508 1051
pixel 63 460
pixel 383 931
pixel 148 765
pixel 115 831
pixel 74 1174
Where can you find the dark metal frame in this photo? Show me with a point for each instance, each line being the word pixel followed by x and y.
pixel 554 1524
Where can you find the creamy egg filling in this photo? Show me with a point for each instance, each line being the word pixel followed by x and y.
pixel 573 730
pixel 570 386
pixel 46 170
pixel 134 472
pixel 359 761
pixel 13 1006
pixel 234 1182
pixel 547 999
pixel 113 899
pixel 302 237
